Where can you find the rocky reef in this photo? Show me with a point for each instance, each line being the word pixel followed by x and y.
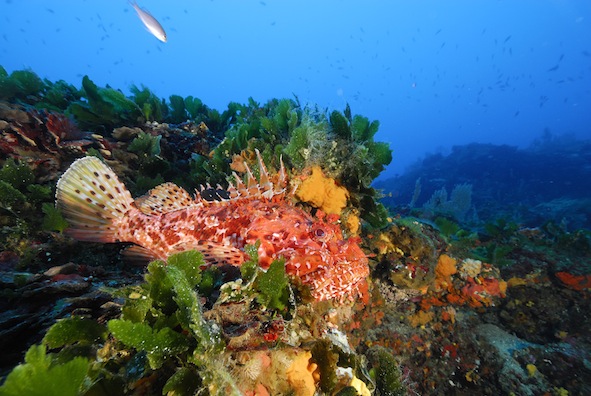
pixel 451 305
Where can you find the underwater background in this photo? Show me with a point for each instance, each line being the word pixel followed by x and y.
pixel 435 74
pixel 444 147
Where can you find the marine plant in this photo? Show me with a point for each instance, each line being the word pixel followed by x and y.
pixel 104 108
pixel 341 145
pixel 271 287
pixel 447 227
pixel 25 86
pixel 19 84
pixel 21 202
pixel 161 330
pixel 153 108
pixel 44 374
pixel 145 144
pixel 386 372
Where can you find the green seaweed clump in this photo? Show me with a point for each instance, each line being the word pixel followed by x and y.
pixel 24 86
pixel 153 108
pixel 104 109
pixel 161 333
pixel 43 375
pixel 271 287
pixel 385 372
pixel 19 84
pixel 21 201
pixel 145 144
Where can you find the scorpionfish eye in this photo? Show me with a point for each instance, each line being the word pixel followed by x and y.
pixel 321 233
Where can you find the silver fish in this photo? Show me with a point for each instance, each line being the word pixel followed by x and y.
pixel 150 22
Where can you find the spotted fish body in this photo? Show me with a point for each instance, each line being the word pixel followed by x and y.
pixel 167 220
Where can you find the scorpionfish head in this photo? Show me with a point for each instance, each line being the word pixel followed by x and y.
pixel 315 251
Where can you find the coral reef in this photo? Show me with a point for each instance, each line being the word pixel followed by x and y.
pixel 536 184
pixel 457 301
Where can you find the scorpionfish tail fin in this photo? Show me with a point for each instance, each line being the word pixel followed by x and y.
pixel 92 200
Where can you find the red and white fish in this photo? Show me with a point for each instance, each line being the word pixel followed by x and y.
pixel 167 219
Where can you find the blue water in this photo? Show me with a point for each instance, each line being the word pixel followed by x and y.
pixel 434 73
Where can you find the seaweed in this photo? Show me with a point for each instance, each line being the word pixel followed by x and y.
pixel 447 227
pixel 158 344
pixel 20 85
pixel 17 175
pixel 145 144
pixel 153 108
pixel 58 96
pixel 161 324
pixel 327 360
pixel 272 286
pixel 104 108
pixel 42 375
pixel 74 330
pixel 385 372
pixel 10 196
pixel 178 112
pixel 53 219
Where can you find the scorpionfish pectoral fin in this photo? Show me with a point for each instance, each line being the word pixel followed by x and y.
pixel 92 200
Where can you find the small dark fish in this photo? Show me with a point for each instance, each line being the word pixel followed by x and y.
pixel 507 39
pixel 554 68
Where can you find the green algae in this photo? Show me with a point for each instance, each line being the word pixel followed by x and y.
pixel 104 108
pixel 273 286
pixel 385 372
pixel 74 330
pixel 16 174
pixel 21 202
pixel 41 375
pixel 53 219
pixel 145 144
pixel 184 382
pixel 158 345
pixel 161 324
pixel 327 360
pixel 19 84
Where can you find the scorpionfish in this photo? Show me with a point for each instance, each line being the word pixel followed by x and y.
pixel 218 223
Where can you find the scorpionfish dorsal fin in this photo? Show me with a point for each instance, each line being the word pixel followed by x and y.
pixel 164 198
pixel 92 200
pixel 266 187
